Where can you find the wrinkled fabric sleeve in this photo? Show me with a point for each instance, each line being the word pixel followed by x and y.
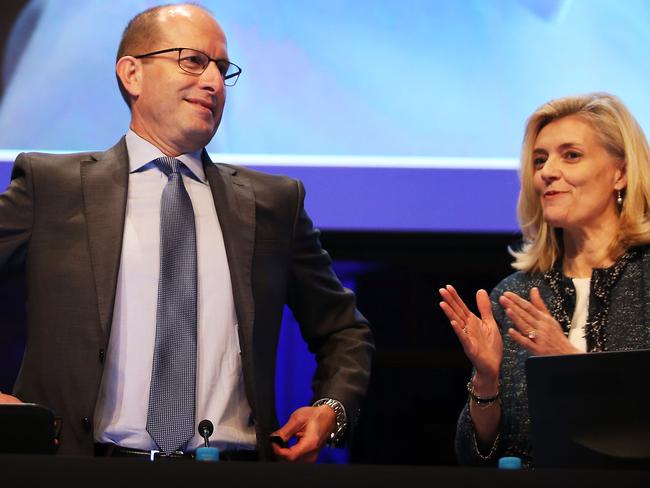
pixel 333 328
pixel 16 216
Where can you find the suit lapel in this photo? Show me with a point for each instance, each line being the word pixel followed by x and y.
pixel 104 180
pixel 235 203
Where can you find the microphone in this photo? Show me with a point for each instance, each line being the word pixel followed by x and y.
pixel 205 430
pixel 206 453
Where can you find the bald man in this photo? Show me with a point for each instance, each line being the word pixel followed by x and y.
pixel 89 231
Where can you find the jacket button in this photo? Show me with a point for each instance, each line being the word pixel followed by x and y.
pixel 102 355
pixel 85 423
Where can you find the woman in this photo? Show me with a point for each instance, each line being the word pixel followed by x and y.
pixel 583 283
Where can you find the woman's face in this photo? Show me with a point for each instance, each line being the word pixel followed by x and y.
pixel 575 177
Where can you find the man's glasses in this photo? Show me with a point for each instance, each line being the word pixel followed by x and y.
pixel 196 62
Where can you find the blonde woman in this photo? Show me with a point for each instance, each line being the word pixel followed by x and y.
pixel 583 280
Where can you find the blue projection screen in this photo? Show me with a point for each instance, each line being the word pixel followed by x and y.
pixel 397 114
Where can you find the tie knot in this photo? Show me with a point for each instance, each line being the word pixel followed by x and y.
pixel 168 165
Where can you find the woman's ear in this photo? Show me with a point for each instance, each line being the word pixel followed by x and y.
pixel 620 177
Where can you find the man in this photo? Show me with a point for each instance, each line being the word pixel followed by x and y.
pixel 136 311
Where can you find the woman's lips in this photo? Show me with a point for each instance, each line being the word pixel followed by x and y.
pixel 552 193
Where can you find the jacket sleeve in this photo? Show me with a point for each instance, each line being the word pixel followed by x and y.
pixel 16 215
pixel 466 445
pixel 513 436
pixel 333 328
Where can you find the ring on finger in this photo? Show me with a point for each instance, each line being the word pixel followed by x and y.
pixel 465 330
pixel 532 333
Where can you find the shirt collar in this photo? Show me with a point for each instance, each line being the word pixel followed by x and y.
pixel 141 152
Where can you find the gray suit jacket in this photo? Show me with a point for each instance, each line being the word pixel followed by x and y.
pixel 61 222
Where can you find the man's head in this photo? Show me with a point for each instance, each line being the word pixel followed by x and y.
pixel 175 110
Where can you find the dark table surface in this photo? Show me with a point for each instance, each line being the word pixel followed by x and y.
pixel 42 470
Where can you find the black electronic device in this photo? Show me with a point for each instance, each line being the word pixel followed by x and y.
pixel 27 428
pixel 590 410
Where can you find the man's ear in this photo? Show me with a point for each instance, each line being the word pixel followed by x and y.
pixel 129 71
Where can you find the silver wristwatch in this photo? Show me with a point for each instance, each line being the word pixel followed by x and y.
pixel 341 417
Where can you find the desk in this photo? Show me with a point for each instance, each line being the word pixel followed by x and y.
pixel 44 470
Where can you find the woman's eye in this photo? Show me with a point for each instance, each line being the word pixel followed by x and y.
pixel 572 155
pixel 539 161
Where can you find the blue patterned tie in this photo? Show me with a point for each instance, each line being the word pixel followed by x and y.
pixel 170 419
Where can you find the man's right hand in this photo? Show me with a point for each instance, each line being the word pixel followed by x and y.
pixel 8 399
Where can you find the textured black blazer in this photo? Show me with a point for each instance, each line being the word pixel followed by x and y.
pixel 61 223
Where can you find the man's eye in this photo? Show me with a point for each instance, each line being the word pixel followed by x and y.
pixel 194 60
pixel 223 68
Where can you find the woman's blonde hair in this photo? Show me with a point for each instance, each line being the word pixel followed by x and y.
pixel 623 138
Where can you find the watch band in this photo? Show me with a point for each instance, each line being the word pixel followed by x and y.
pixel 341 417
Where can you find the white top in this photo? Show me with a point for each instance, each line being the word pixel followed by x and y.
pixel 579 319
pixel 121 412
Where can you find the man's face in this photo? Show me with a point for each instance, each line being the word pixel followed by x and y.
pixel 177 111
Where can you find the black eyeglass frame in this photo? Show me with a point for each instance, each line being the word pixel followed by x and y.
pixel 225 76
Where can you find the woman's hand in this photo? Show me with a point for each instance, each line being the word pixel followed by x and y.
pixel 480 337
pixel 535 328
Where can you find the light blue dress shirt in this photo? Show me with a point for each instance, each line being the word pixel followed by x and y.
pixel 121 412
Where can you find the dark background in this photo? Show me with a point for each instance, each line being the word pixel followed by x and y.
pixel 419 373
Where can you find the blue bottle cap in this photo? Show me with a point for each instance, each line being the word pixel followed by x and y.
pixel 509 462
pixel 207 454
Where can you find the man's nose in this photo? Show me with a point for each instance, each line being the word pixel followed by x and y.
pixel 212 76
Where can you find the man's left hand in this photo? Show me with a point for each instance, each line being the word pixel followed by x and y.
pixel 312 426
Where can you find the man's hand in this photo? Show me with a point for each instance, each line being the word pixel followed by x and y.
pixel 312 426
pixel 8 399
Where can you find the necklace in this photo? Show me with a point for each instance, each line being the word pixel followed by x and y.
pixel 602 282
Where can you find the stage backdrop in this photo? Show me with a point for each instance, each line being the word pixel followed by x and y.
pixel 398 114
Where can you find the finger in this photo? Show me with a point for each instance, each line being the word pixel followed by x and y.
pixel 515 311
pixel 457 303
pixel 521 321
pixel 553 325
pixel 304 451
pixel 292 455
pixel 282 453
pixel 522 341
pixel 484 306
pixel 453 305
pixel 288 430
pixel 450 313
pixel 523 304
pixel 536 300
